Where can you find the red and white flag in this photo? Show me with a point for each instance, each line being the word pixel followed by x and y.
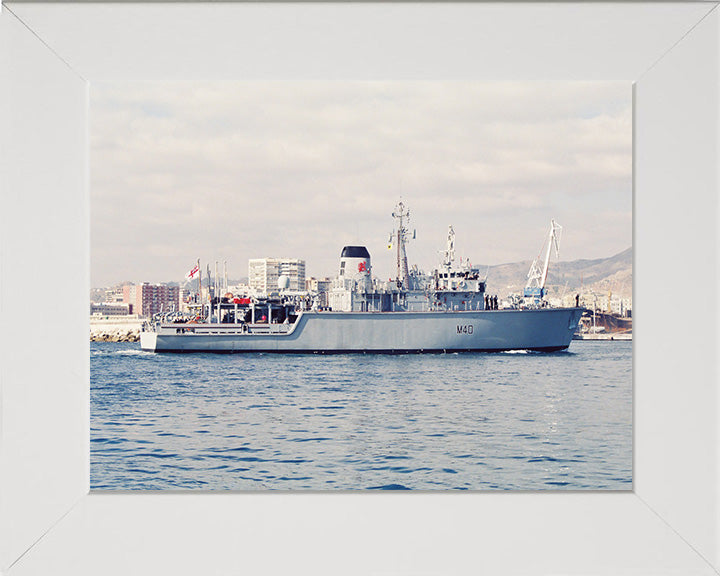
pixel 194 272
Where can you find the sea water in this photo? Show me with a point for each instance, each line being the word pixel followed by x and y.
pixel 467 421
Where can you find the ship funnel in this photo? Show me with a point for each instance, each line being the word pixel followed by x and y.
pixel 355 265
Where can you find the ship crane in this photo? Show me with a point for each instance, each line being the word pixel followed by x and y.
pixel 537 276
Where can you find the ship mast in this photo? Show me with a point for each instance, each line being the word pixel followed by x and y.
pixel 402 215
pixel 450 252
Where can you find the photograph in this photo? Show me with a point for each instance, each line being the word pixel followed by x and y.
pixel 340 286
pixel 358 274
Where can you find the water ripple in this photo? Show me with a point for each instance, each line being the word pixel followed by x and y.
pixel 506 421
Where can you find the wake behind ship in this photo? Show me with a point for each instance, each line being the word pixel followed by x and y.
pixel 445 311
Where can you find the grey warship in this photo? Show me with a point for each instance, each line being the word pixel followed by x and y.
pixel 447 310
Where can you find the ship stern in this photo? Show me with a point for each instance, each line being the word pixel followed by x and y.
pixel 148 341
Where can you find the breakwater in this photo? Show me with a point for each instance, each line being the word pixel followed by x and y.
pixel 116 328
pixel 126 336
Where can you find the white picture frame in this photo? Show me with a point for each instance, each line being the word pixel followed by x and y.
pixel 50 523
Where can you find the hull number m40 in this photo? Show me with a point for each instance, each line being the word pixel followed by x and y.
pixel 464 328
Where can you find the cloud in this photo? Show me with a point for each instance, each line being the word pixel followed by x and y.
pixel 231 171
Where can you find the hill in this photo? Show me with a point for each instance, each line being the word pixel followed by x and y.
pixel 586 276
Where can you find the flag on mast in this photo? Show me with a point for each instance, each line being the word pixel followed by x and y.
pixel 194 272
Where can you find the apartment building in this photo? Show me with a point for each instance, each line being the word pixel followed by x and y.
pixel 263 274
pixel 148 299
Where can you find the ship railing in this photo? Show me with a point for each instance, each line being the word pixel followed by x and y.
pixel 213 328
pixel 270 328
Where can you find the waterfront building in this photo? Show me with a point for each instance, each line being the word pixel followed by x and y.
pixel 149 299
pixel 114 295
pixel 110 309
pixel 185 297
pixel 318 284
pixel 130 294
pixel 263 274
pixel 321 287
pixel 621 306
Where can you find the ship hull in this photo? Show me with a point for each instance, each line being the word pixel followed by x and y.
pixel 546 330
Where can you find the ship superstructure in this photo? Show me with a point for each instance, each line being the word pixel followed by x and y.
pixel 445 310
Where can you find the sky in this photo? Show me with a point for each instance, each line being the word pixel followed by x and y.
pixel 233 171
